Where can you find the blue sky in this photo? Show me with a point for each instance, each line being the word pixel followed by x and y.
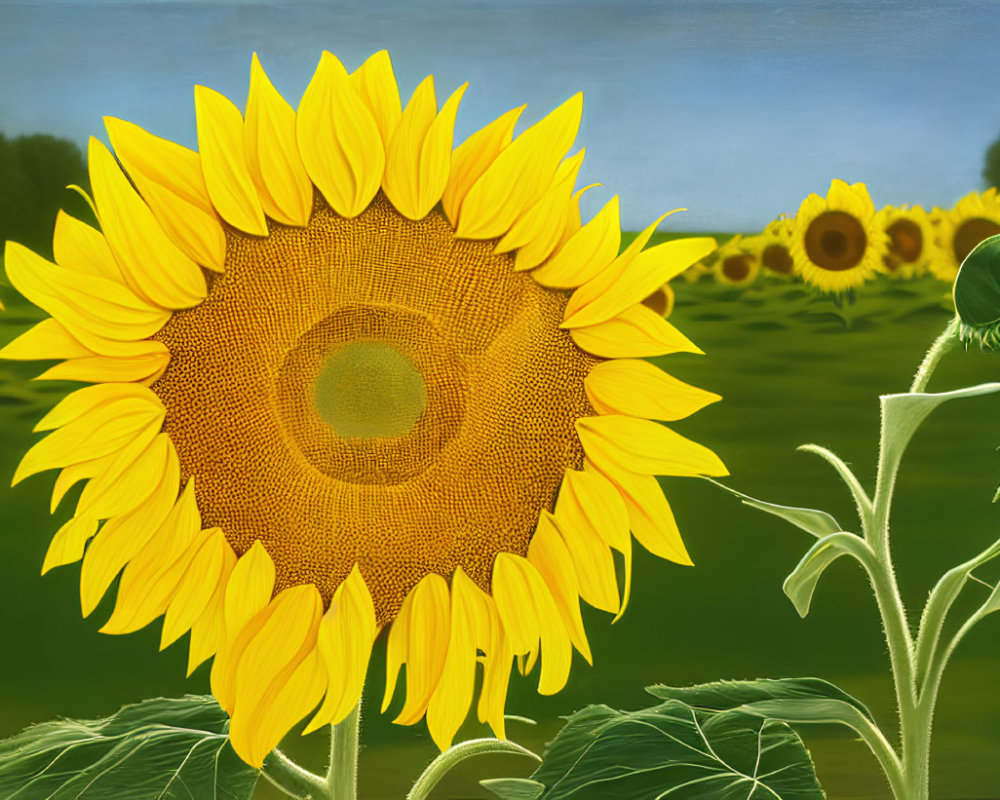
pixel 735 110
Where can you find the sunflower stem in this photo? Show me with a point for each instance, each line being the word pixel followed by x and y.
pixel 342 773
pixel 944 342
pixel 295 781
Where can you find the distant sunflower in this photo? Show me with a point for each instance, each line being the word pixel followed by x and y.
pixel 661 301
pixel 836 244
pixel 911 240
pixel 774 247
pixel 363 414
pixel 736 265
pixel 975 217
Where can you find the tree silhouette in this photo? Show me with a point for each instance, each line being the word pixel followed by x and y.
pixel 34 172
pixel 991 166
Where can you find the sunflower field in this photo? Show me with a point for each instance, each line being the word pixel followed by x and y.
pixel 350 454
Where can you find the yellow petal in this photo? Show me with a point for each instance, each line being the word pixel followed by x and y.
pixel 150 579
pixel 520 174
pixel 602 506
pixel 338 140
pixel 247 593
pixel 650 516
pixel 78 247
pixel 375 83
pixel 426 645
pixel 419 154
pixel 153 266
pixel 121 538
pixel 280 638
pixel 471 159
pixel 208 632
pixel 105 430
pixel 88 306
pixel 224 162
pixel 145 367
pixel 290 701
pixel 395 649
pixel 589 250
pixel 213 559
pixel 645 447
pixel 497 663
pixel 629 281
pixel 285 191
pixel 345 639
pixel 67 545
pixel 47 340
pixel 637 332
pixel 170 179
pixel 84 401
pixel 588 548
pixel 529 616
pixel 549 555
pixel 640 389
pixel 451 700
pixel 537 232
pixel 69 476
pixel 128 479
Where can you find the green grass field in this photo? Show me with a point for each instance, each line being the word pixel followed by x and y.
pixel 791 371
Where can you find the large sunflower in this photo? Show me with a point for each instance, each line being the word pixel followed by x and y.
pixel 911 240
pixel 975 217
pixel 379 407
pixel 836 244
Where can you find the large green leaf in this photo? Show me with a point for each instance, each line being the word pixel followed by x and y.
pixel 676 752
pixel 162 749
pixel 514 788
pixel 811 520
pixel 728 695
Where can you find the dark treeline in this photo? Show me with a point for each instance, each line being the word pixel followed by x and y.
pixel 991 165
pixel 34 172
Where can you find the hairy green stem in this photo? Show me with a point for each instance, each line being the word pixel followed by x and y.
pixel 342 773
pixel 944 342
pixel 295 781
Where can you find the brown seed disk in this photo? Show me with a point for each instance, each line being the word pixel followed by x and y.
pixel 503 388
pixel 736 268
pixel 836 241
pixel 906 240
pixel 777 259
pixel 970 233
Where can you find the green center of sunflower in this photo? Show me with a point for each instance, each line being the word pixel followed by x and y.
pixel 836 241
pixel 970 233
pixel 370 390
pixel 906 240
pixel 777 259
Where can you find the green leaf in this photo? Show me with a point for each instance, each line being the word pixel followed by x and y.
pixel 902 414
pixel 818 523
pixel 729 695
pixel 514 788
pixel 168 749
pixel 977 286
pixel 801 583
pixel 673 751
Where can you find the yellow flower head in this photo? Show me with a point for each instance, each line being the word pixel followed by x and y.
pixel 836 244
pixel 975 217
pixel 773 247
pixel 911 240
pixel 736 264
pixel 346 378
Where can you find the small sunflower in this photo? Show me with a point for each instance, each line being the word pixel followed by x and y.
pixel 911 240
pixel 974 218
pixel 346 379
pixel 773 247
pixel 736 265
pixel 661 301
pixel 836 244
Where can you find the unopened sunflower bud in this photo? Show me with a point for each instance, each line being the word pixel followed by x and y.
pixel 977 295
